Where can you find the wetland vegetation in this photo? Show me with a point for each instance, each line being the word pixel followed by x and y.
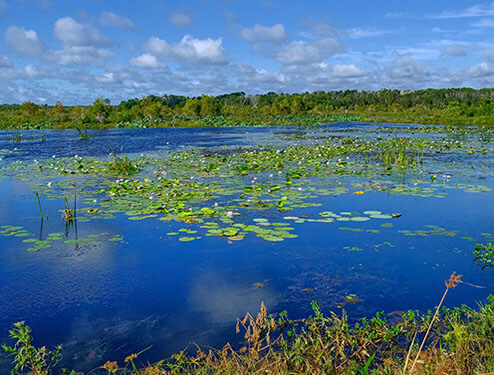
pixel 463 106
pixel 165 241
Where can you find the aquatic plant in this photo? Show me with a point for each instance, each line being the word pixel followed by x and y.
pixel 83 133
pixel 484 254
pixel 39 205
pixel 327 344
pixel 122 165
pixel 39 361
pixel 453 282
pixel 67 213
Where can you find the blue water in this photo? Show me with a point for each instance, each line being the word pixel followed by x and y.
pixel 103 302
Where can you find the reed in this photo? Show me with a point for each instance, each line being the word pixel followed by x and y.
pixel 453 282
pixel 83 133
pixel 39 205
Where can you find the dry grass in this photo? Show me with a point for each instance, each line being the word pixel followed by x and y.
pixel 453 341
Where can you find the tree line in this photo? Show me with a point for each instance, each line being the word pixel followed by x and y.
pixel 169 110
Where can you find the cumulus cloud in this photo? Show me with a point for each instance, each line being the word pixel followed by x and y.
pixel 263 34
pixel 113 20
pixel 314 46
pixel 489 55
pixel 303 52
pixel 72 33
pixel 247 73
pixel 24 42
pixel 323 76
pixel 481 70
pixel 180 19
pixel 454 50
pixel 5 62
pixel 107 78
pixel 145 61
pixel 480 75
pixel 406 72
pixel 189 49
pixel 348 71
pixel 80 55
pixel 31 71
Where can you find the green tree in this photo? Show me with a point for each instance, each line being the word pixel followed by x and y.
pixel 210 106
pixel 100 110
pixel 192 107
pixel 79 114
pixel 58 112
pixel 155 110
pixel 29 109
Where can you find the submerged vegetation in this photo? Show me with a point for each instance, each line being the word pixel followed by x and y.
pixel 444 106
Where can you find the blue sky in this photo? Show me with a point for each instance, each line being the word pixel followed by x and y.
pixel 75 51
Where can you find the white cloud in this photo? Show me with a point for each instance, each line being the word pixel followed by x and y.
pixel 31 71
pixel 348 71
pixel 427 52
pixel 299 52
pixel 5 62
pixel 481 70
pixel 189 49
pixel 484 22
pixel 263 34
pixel 439 30
pixel 180 19
pixel 322 76
pixel 114 20
pixel 247 73
pixel 107 78
pixel 146 61
pixel 80 55
pixel 454 50
pixel 406 73
pixel 303 52
pixel 358 33
pixel 478 10
pixel 489 55
pixel 73 33
pixel 24 42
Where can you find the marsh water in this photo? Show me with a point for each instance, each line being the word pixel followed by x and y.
pixel 114 280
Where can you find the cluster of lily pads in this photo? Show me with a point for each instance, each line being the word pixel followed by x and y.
pixel 47 242
pixel 218 190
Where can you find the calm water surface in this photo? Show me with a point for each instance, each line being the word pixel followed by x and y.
pixel 104 301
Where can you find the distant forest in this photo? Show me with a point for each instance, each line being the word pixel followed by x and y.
pixel 455 106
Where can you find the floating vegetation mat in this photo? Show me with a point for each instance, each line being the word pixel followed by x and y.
pixel 236 192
